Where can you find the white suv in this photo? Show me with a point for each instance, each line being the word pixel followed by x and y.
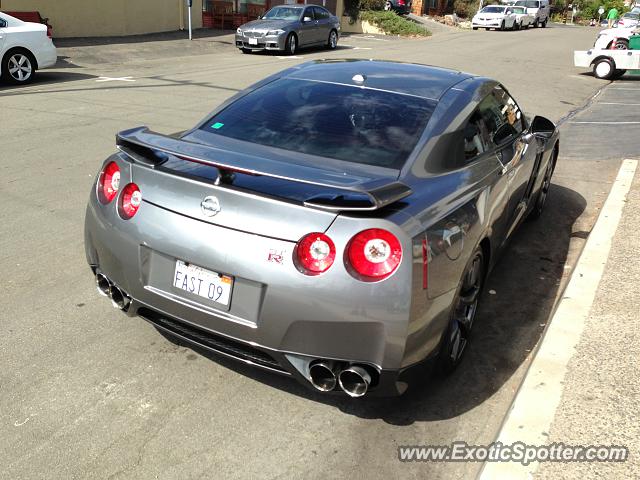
pixel 538 9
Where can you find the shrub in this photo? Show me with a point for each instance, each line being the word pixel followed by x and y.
pixel 372 4
pixel 465 8
pixel 393 24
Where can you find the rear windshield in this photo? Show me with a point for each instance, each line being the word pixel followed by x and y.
pixel 528 3
pixel 343 122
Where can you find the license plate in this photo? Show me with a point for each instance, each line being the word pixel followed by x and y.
pixel 202 282
pixel 253 41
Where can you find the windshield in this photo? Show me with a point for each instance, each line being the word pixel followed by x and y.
pixel 342 122
pixel 283 13
pixel 632 16
pixel 519 10
pixel 528 3
pixel 492 9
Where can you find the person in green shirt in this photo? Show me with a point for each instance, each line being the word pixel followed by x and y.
pixel 612 16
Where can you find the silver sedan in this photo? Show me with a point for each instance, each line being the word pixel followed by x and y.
pixel 287 28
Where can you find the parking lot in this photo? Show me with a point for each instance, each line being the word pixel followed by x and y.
pixel 89 392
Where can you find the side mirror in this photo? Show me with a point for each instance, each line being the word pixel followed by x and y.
pixel 542 127
pixel 306 19
pixel 3 23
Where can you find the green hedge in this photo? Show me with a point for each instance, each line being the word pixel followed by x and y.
pixel 393 24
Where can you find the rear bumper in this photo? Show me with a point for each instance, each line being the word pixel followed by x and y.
pixel 47 55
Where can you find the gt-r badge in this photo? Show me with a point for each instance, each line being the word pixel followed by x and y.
pixel 276 256
pixel 210 206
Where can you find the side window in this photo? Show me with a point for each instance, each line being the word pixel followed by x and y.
pixel 502 116
pixel 475 137
pixel 323 13
pixel 308 12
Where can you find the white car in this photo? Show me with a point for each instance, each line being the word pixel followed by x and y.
pixel 24 48
pixel 538 9
pixel 523 19
pixel 629 20
pixel 618 35
pixel 494 16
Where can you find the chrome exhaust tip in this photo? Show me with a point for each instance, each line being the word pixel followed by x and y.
pixel 354 381
pixel 323 375
pixel 119 299
pixel 102 284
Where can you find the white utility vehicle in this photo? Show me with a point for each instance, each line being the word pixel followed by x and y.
pixel 608 64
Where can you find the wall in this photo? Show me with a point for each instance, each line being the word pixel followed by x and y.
pixel 99 18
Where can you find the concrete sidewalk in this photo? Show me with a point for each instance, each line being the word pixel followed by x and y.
pixel 599 403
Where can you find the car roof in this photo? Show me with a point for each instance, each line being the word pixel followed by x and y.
pixel 404 78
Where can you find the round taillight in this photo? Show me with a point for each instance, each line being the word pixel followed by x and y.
pixel 109 182
pixel 130 201
pixel 315 253
pixel 374 254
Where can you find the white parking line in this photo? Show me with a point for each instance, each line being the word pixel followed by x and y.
pixel 608 123
pixel 537 400
pixel 625 104
pixel 115 79
pixel 622 88
pixel 288 57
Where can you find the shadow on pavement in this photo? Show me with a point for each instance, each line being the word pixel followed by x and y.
pixel 47 77
pixel 198 34
pixel 510 322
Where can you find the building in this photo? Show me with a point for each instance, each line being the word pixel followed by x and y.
pixel 100 18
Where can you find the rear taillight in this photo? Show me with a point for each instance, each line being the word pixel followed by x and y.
pixel 314 253
pixel 374 254
pixel 109 183
pixel 130 201
pixel 401 3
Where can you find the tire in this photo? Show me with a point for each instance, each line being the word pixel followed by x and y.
pixel 502 27
pixel 543 193
pixel 18 67
pixel 544 24
pixel 517 26
pixel 332 41
pixel 245 50
pixel 388 7
pixel 535 23
pixel 463 312
pixel 604 69
pixel 291 45
pixel 618 73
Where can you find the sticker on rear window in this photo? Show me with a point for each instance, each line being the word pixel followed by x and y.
pixel 217 125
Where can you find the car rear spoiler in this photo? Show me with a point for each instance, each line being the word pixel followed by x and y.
pixel 348 192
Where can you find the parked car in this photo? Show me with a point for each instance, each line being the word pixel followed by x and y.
pixel 24 48
pixel 494 16
pixel 289 27
pixel 629 20
pixel 333 223
pixel 617 38
pixel 538 9
pixel 402 7
pixel 523 19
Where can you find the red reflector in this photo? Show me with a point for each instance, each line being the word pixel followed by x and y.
pixel 374 254
pixel 130 201
pixel 109 183
pixel 315 253
pixel 401 3
pixel 425 261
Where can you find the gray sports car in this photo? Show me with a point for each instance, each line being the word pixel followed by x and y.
pixel 289 27
pixel 334 222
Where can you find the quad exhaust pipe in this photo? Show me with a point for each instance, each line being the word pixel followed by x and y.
pixel 325 375
pixel 119 299
pixel 354 380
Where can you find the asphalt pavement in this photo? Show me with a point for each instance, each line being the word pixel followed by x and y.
pixel 86 392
